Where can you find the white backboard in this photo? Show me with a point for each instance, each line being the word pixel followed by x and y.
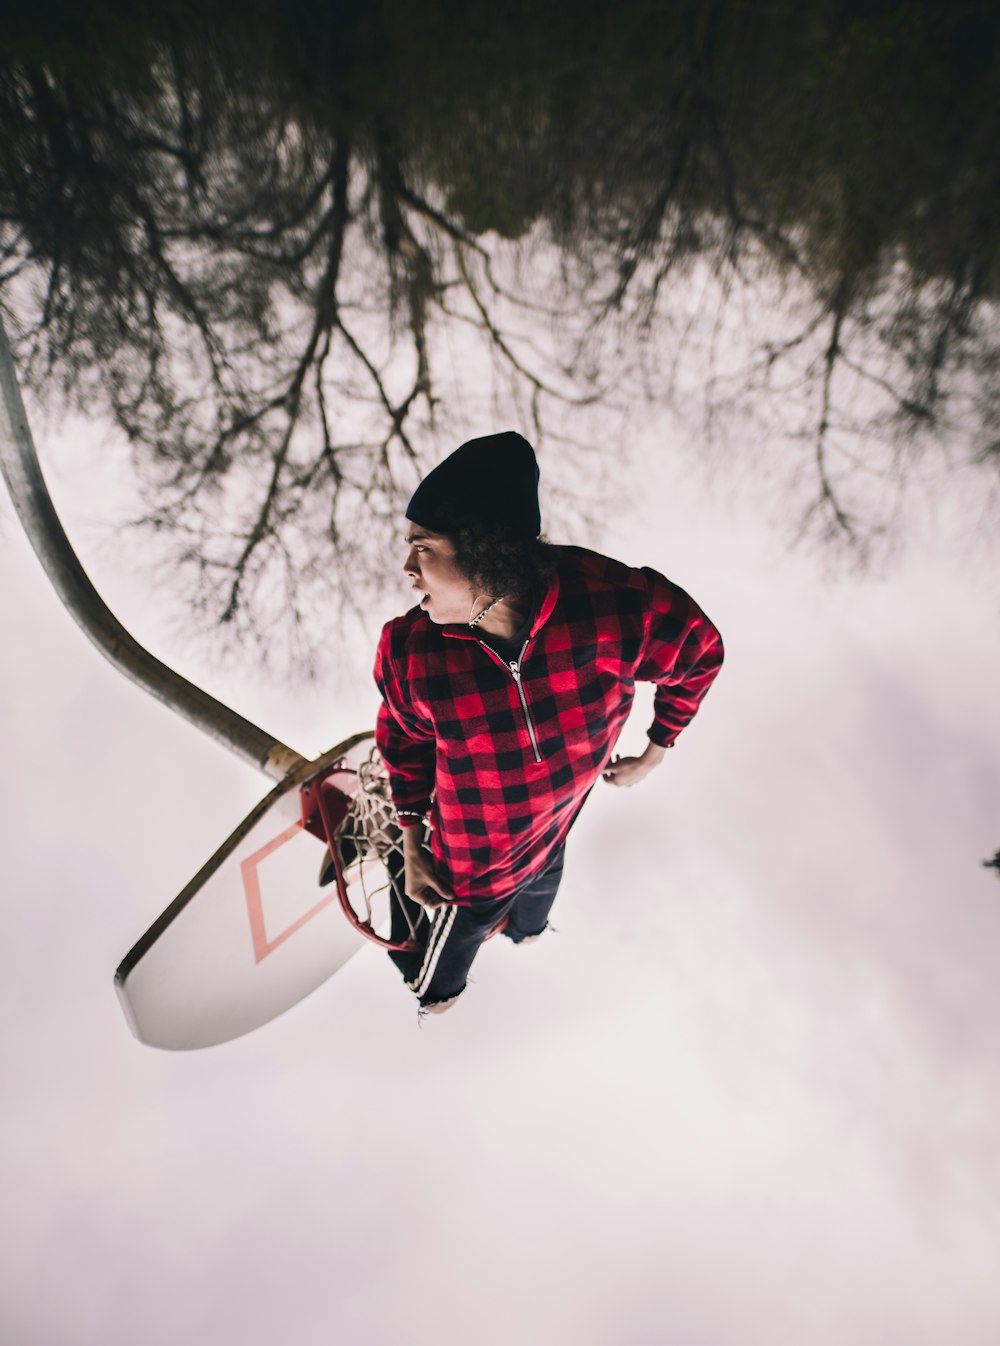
pixel 251 935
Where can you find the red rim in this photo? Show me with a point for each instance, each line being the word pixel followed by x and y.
pixel 316 798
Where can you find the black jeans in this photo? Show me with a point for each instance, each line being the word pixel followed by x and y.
pixel 450 936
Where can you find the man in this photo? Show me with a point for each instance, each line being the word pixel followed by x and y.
pixel 504 692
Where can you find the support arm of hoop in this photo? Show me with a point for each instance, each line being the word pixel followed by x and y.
pixel 30 495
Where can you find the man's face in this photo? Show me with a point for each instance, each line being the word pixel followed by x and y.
pixel 444 592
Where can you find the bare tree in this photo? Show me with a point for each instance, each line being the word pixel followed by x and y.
pixel 259 303
pixel 259 246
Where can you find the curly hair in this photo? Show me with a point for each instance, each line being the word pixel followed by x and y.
pixel 501 562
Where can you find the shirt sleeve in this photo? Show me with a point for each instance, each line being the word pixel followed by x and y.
pixel 682 653
pixel 405 740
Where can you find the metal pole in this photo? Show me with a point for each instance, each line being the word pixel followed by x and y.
pixel 26 484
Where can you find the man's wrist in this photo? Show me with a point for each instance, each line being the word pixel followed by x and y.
pixel 655 752
pixel 412 839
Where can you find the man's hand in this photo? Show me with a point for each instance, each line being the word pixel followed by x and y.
pixel 420 879
pixel 627 771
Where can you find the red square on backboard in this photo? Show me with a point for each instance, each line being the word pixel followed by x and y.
pixel 262 944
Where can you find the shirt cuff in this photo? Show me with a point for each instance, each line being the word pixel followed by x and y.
pixel 664 737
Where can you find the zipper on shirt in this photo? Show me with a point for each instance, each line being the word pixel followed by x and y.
pixel 515 669
pixel 514 666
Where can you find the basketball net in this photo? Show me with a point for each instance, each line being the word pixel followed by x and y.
pixel 367 851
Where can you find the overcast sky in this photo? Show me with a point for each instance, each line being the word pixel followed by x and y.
pixel 748 1093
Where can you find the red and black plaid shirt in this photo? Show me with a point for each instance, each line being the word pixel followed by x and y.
pixel 501 762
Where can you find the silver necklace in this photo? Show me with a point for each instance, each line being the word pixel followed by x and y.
pixel 474 621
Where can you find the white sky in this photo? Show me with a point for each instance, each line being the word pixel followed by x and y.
pixel 747 1094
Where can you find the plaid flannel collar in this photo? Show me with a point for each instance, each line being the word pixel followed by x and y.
pixel 457 631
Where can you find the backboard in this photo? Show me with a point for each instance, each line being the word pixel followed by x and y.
pixel 252 933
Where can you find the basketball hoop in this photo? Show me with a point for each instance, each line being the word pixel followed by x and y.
pixel 350 808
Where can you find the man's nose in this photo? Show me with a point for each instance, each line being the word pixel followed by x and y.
pixel 410 564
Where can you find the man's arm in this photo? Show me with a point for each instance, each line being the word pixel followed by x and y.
pixel 682 654
pixel 408 749
pixel 405 740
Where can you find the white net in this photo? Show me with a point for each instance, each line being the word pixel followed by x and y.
pixel 370 846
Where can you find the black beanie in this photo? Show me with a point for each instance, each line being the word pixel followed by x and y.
pixel 490 482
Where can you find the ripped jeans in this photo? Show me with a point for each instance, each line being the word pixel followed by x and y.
pixel 450 936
